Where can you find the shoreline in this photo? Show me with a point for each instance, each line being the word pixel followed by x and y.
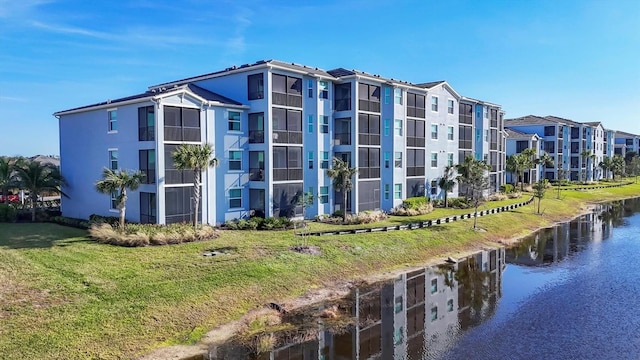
pixel 339 289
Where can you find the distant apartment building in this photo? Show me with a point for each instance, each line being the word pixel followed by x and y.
pixel 275 128
pixel 576 148
pixel 625 142
pixel 517 142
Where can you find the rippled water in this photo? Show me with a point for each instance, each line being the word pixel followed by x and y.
pixel 568 292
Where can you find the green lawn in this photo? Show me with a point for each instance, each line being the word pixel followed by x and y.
pixel 63 296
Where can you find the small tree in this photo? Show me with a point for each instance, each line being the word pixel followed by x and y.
pixel 633 168
pixel 561 177
pixel 305 200
pixel 39 178
pixel 447 182
pixel 475 179
pixel 539 188
pixel 196 158
pixel 119 181
pixel 342 176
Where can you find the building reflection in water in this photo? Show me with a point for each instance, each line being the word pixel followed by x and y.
pixel 419 314
pixel 557 243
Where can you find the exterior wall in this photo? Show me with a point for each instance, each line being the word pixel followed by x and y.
pixel 442 146
pixel 84 152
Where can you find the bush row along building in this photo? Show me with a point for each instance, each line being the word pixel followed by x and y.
pixel 275 128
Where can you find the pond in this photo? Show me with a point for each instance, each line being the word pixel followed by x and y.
pixel 566 292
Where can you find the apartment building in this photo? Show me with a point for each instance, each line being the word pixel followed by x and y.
pixel 481 135
pixel 625 142
pixel 275 128
pixel 577 148
pixel 517 142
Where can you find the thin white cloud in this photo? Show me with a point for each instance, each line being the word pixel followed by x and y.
pixel 236 43
pixel 19 8
pixel 11 98
pixel 71 30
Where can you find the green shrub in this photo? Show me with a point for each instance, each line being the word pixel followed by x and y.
pixel 460 203
pixel 67 221
pixel 8 213
pixel 506 188
pixel 99 219
pixel 415 203
pixel 258 223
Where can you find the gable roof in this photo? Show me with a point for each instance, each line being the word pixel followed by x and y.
pixel 519 135
pixel 468 99
pixel 562 120
pixel 196 91
pixel 528 120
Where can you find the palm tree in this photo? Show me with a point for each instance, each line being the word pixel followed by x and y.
pixel 617 166
pixel 119 181
pixel 586 155
pixel 8 175
pixel 342 176
pixel 514 166
pixel 529 161
pixel 447 182
pixel 606 165
pixel 38 178
pixel 196 158
pixel 545 160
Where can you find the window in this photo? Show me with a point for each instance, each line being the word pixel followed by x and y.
pixel 369 97
pixel 256 165
pixel 255 86
pixel 235 160
pixel 387 127
pixel 114 199
pixel 549 130
pixel 398 336
pixel 324 124
pixel 148 165
pixel 342 97
pixel 387 160
pixel 234 121
pixel 256 128
pixel 450 131
pixel 415 133
pixel 521 145
pixel 147 208
pixel 434 103
pixel 434 286
pixel 369 164
pixel 450 305
pixel 368 129
pixel 450 105
pixel 449 159
pixel 397 96
pixel 434 160
pixel 324 159
pixel 288 163
pixel 416 105
pixel 342 131
pixel 415 162
pixel 181 124
pixel 397 191
pixel 287 126
pixel 324 90
pixel 434 131
pixel 286 90
pixel 486 135
pixel 387 95
pixel 310 124
pixel 386 193
pixel 397 159
pixel 397 127
pixel 235 198
pixel 146 123
pixel 310 159
pixel 112 115
pixel 434 187
pixel 113 159
pixel 310 88
pixel 434 313
pixel 486 111
pixel 324 195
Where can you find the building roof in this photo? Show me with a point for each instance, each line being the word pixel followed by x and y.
pixel 517 134
pixel 623 134
pixel 528 120
pixel 562 120
pixel 429 85
pixel 466 98
pixel 156 94
pixel 593 123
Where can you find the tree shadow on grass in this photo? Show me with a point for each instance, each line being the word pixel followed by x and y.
pixel 37 236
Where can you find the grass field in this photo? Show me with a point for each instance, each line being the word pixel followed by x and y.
pixel 63 296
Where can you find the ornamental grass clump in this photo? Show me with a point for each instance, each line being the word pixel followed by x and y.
pixel 150 234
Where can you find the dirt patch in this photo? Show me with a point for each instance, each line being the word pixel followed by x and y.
pixel 309 250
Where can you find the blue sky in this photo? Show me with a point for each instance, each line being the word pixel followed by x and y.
pixel 578 59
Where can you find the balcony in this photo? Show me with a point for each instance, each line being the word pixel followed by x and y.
pixel 256 136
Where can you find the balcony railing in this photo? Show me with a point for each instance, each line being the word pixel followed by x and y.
pixel 256 136
pixel 367 105
pixel 415 171
pixel 287 174
pixel 369 139
pixel 256 174
pixel 415 141
pixel 278 98
pixel 342 139
pixel 177 133
pixel 368 173
pixel 287 137
pixel 415 112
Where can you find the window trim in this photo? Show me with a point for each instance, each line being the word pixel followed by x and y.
pixel 397 191
pixel 235 160
pixel 323 195
pixel 431 160
pixel 436 104
pixel 233 121
pixel 397 130
pixel 324 124
pixel 110 121
pixel 235 198
pixel 437 133
pixel 112 206
pixel 111 160
pixel 452 108
pixel 452 133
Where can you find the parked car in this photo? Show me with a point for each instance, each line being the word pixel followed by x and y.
pixel 12 198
